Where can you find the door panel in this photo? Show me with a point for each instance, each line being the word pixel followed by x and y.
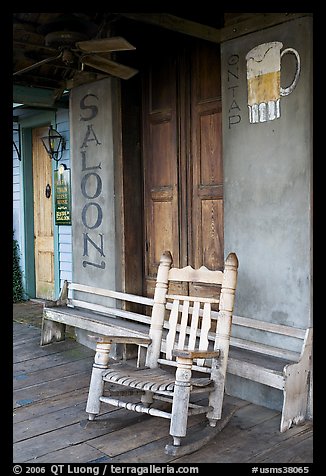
pixel 43 218
pixel 160 167
pixel 182 153
pixel 207 191
pixel 206 227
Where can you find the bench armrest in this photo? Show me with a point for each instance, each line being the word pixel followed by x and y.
pixel 58 303
pixel 120 340
pixel 63 298
pixel 196 354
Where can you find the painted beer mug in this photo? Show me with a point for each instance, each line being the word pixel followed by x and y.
pixel 264 80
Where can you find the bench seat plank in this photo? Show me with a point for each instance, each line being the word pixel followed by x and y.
pixel 260 368
pixel 93 322
pixel 251 357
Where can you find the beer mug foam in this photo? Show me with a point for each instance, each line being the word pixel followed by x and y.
pixel 264 80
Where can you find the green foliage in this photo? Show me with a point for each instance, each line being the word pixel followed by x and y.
pixel 18 290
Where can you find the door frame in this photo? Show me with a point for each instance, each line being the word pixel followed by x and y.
pixel 42 119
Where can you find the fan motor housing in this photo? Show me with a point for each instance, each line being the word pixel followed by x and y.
pixel 64 38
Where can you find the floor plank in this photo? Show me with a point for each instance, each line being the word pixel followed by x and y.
pixel 39 425
pixel 134 437
pixel 30 379
pixel 58 439
pixel 81 453
pixel 296 449
pixel 20 333
pixel 31 350
pixel 52 360
pixel 229 445
pixel 53 404
pixel 35 393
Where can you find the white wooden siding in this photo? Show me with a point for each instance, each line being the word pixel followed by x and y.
pixel 16 212
pixel 64 238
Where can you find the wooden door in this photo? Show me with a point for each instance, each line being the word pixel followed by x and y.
pixel 160 152
pixel 205 193
pixel 183 176
pixel 43 218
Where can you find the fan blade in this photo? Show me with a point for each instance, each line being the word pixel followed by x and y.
pixel 105 45
pixel 109 66
pixel 35 65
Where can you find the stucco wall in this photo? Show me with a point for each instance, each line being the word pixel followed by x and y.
pixel 267 173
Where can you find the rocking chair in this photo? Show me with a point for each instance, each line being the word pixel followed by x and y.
pixel 185 336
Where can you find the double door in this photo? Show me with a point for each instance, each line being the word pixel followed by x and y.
pixel 182 157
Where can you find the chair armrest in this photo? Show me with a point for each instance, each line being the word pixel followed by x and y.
pixel 196 354
pixel 120 340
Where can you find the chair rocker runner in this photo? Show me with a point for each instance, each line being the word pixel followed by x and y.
pixel 187 354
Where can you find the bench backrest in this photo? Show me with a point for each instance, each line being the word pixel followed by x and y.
pixel 189 319
pixel 119 299
pixel 269 338
pixel 247 333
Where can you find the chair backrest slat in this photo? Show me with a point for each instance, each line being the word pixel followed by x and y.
pixel 194 326
pixel 183 324
pixel 205 327
pixel 173 321
pixel 179 329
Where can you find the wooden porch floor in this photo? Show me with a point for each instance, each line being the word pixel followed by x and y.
pixel 49 399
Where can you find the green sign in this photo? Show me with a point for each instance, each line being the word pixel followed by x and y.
pixel 62 196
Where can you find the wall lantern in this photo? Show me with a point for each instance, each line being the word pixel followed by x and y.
pixel 54 144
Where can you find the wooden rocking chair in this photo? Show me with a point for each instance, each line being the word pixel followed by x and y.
pixel 184 334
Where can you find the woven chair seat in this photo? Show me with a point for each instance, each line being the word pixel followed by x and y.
pixel 156 380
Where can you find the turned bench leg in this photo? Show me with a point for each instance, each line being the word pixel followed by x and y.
pixel 52 331
pixel 96 387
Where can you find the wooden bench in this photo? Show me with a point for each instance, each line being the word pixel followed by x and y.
pixel 249 356
pixel 110 319
pixel 286 370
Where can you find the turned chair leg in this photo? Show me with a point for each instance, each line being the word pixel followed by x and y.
pixel 215 400
pixel 147 398
pixel 181 396
pixel 96 386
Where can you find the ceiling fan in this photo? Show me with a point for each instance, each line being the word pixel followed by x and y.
pixel 71 43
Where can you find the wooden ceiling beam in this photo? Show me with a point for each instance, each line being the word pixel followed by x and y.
pixel 38 81
pixel 180 25
pixel 33 96
pixel 258 21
